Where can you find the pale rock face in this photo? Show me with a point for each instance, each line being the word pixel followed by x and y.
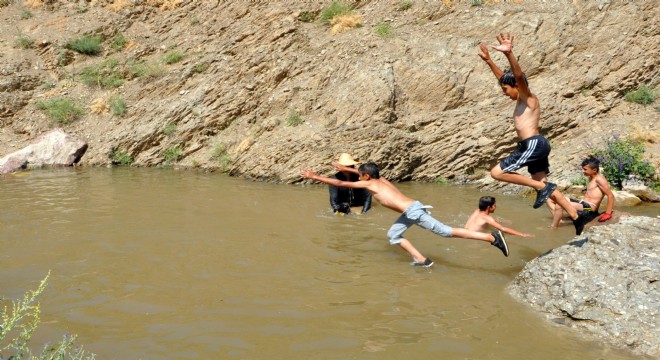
pixel 54 148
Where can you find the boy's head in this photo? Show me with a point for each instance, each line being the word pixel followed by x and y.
pixel 486 202
pixel 509 85
pixel 370 169
pixel 590 166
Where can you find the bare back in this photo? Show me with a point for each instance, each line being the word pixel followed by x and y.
pixel 388 195
pixel 526 116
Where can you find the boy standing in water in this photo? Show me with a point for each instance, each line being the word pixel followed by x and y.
pixel 533 149
pixel 597 189
pixel 480 219
pixel 412 212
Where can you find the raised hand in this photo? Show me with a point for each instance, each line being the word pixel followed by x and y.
pixel 484 54
pixel 506 42
pixel 307 174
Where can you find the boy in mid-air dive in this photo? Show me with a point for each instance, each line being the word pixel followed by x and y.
pixel 412 212
pixel 533 149
pixel 480 219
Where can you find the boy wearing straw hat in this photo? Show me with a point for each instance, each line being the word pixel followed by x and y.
pixel 412 212
pixel 343 199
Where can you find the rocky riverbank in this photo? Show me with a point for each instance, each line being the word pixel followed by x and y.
pixel 606 283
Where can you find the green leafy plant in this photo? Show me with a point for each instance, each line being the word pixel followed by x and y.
pixel 579 181
pixel 88 45
pixel 477 2
pixel 294 119
pixel 337 8
pixel 405 5
pixel 172 57
pixel 60 109
pixel 441 181
pixel 172 154
pixel 194 20
pixel 105 75
pixel 147 70
pixel 20 322
pixel 220 154
pixel 200 68
pixel 169 129
pixel 643 95
pixel 621 158
pixel 117 105
pixel 121 158
pixel 82 10
pixel 306 16
pixel 23 42
pixel 26 14
pixel 383 29
pixel 118 42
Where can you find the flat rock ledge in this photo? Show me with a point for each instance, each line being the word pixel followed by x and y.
pixel 605 282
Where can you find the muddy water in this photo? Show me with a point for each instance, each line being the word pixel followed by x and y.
pixel 160 264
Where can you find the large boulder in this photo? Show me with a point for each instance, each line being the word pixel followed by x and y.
pixel 606 281
pixel 54 148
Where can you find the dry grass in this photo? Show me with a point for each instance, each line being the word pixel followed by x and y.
pixel 644 135
pixel 99 106
pixel 118 5
pixel 344 22
pixel 33 4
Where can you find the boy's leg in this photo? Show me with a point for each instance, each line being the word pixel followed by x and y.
pixel 498 174
pixel 416 255
pixel 579 218
pixel 394 234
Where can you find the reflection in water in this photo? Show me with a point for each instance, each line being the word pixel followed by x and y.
pixel 154 263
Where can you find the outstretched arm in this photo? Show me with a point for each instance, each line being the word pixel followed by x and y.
pixel 506 47
pixel 341 167
pixel 604 186
pixel 485 56
pixel 492 222
pixel 309 174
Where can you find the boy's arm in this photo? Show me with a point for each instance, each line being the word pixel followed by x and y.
pixel 506 46
pixel 485 56
pixel 492 222
pixel 604 186
pixel 309 174
pixel 341 167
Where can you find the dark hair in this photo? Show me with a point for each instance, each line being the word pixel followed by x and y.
pixel 593 162
pixel 485 202
pixel 370 169
pixel 509 79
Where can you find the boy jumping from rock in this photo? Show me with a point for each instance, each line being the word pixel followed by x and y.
pixel 412 212
pixel 533 149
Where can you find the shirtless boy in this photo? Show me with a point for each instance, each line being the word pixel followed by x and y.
pixel 480 220
pixel 597 189
pixel 412 212
pixel 533 149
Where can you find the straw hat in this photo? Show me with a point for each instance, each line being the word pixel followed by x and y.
pixel 346 160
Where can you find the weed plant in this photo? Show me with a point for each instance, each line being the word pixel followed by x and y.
pixel 335 9
pixel 643 95
pixel 383 29
pixel 26 14
pixel 147 70
pixel 441 181
pixel 200 68
pixel 62 110
pixel 23 42
pixel 306 16
pixel 88 45
pixel 118 42
pixel 580 181
pixel 294 119
pixel 172 154
pixel 105 75
pixel 621 158
pixel 20 322
pixel 169 129
pixel 173 57
pixel 119 157
pixel 117 105
pixel 220 154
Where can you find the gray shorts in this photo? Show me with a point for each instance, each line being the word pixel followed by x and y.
pixel 416 213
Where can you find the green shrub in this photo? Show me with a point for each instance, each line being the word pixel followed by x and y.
pixel 477 2
pixel 172 154
pixel 337 8
pixel 117 105
pixel 383 29
pixel 294 119
pixel 194 20
pixel 306 16
pixel 60 109
pixel 580 181
pixel 88 45
pixel 405 5
pixel 26 14
pixel 19 324
pixel 200 68
pixel 121 158
pixel 118 42
pixel 643 95
pixel 173 57
pixel 441 181
pixel 621 158
pixel 148 70
pixel 220 154
pixel 23 42
pixel 169 129
pixel 82 10
pixel 105 75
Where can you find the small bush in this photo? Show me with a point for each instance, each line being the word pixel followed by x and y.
pixel 105 75
pixel 194 20
pixel 169 129
pixel 580 181
pixel 441 181
pixel 643 95
pixel 118 42
pixel 405 5
pixel 621 158
pixel 117 105
pixel 172 154
pixel 383 29
pixel 121 158
pixel 26 14
pixel 146 70
pixel 200 68
pixel 477 2
pixel 23 42
pixel 294 119
pixel 306 16
pixel 220 154
pixel 335 9
pixel 62 110
pixel 88 45
pixel 173 57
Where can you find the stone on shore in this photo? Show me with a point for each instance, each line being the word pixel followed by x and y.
pixel 54 148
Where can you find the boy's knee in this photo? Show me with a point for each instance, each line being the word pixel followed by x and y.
pixel 394 237
pixel 496 172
